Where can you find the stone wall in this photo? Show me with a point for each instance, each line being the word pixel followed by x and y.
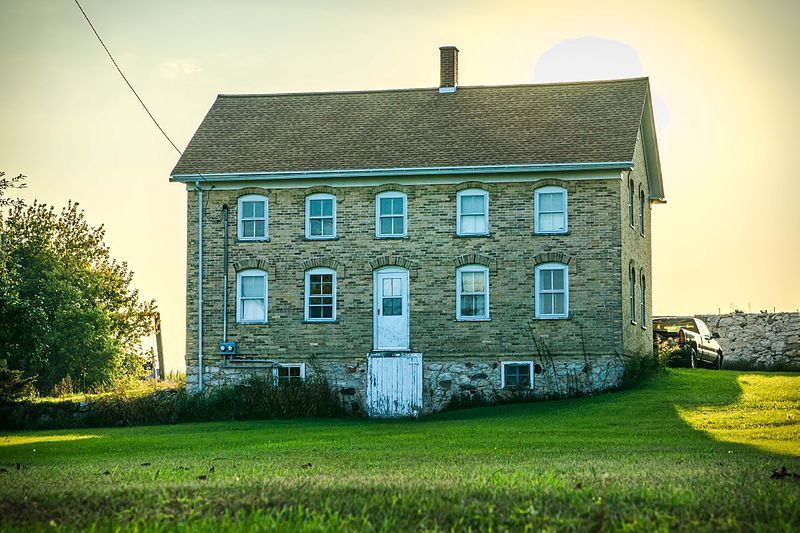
pixel 758 340
pixel 466 382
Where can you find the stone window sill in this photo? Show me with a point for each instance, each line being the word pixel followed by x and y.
pixel 253 323
pixel 385 237
pixel 320 321
pixel 549 233
pixel 473 236
pixel 321 238
pixel 473 319
pixel 245 241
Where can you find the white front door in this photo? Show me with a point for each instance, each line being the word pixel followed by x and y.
pixel 391 310
pixel 394 385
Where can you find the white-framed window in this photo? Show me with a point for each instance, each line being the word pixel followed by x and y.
pixel 550 210
pixel 253 214
pixel 632 278
pixel 251 296
pixel 320 300
pixel 641 213
pixel 630 203
pixel 320 216
pixel 643 312
pixel 289 373
pixel 472 293
pixel 552 290
pixel 517 374
pixel 472 206
pixel 390 214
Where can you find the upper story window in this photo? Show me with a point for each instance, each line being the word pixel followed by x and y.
pixel 632 279
pixel 641 213
pixel 643 313
pixel 253 214
pixel 550 210
pixel 473 212
pixel 390 217
pixel 251 296
pixel 630 203
pixel 320 216
pixel 552 290
pixel 472 293
pixel 320 300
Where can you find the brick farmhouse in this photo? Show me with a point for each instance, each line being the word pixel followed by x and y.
pixel 423 246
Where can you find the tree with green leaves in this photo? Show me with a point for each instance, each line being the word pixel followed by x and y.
pixel 67 309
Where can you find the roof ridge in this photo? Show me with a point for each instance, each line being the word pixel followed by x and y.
pixel 416 89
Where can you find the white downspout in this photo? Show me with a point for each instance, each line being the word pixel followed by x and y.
pixel 200 288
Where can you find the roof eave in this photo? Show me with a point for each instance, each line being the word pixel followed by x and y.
pixel 389 172
pixel 650 145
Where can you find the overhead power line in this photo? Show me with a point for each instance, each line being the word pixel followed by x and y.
pixel 126 79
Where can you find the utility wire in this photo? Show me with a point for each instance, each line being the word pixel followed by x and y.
pixel 126 80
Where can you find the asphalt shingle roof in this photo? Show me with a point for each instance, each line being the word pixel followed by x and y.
pixel 412 128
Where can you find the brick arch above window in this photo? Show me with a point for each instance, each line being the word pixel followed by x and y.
pixel 386 187
pixel 474 185
pixel 319 262
pixel 254 262
pixel 475 259
pixel 322 189
pixel 253 190
pixel 570 186
pixel 391 260
pixel 553 257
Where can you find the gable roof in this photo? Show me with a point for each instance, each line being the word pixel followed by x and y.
pixel 516 125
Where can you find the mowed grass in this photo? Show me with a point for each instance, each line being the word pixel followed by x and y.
pixel 687 450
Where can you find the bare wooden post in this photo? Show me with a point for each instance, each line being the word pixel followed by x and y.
pixel 159 347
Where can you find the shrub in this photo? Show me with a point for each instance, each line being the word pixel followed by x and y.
pixel 255 398
pixel 638 367
pixel 14 386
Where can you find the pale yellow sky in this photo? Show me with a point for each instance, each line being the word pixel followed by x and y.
pixel 725 71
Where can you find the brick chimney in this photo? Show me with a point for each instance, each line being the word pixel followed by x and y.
pixel 448 69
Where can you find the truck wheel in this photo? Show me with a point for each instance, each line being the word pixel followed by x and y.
pixel 693 357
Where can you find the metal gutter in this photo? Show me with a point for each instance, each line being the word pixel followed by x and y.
pixel 410 171
pixel 200 289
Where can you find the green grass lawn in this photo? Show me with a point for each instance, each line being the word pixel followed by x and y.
pixel 686 450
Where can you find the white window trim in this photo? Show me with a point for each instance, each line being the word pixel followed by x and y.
pixel 503 373
pixel 309 273
pixel 319 196
pixel 302 367
pixel 390 194
pixel 565 205
pixel 240 217
pixel 472 192
pixel 632 282
pixel 538 283
pixel 485 272
pixel 250 272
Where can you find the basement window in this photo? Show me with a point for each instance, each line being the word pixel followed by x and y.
pixel 252 214
pixel 290 373
pixel 550 210
pixel 517 375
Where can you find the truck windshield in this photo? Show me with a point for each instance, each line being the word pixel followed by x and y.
pixel 673 325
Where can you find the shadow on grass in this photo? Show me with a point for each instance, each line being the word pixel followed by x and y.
pixel 637 458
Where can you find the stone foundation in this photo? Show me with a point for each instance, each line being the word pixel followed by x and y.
pixel 447 382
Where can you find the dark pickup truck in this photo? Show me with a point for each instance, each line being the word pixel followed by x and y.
pixel 688 340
